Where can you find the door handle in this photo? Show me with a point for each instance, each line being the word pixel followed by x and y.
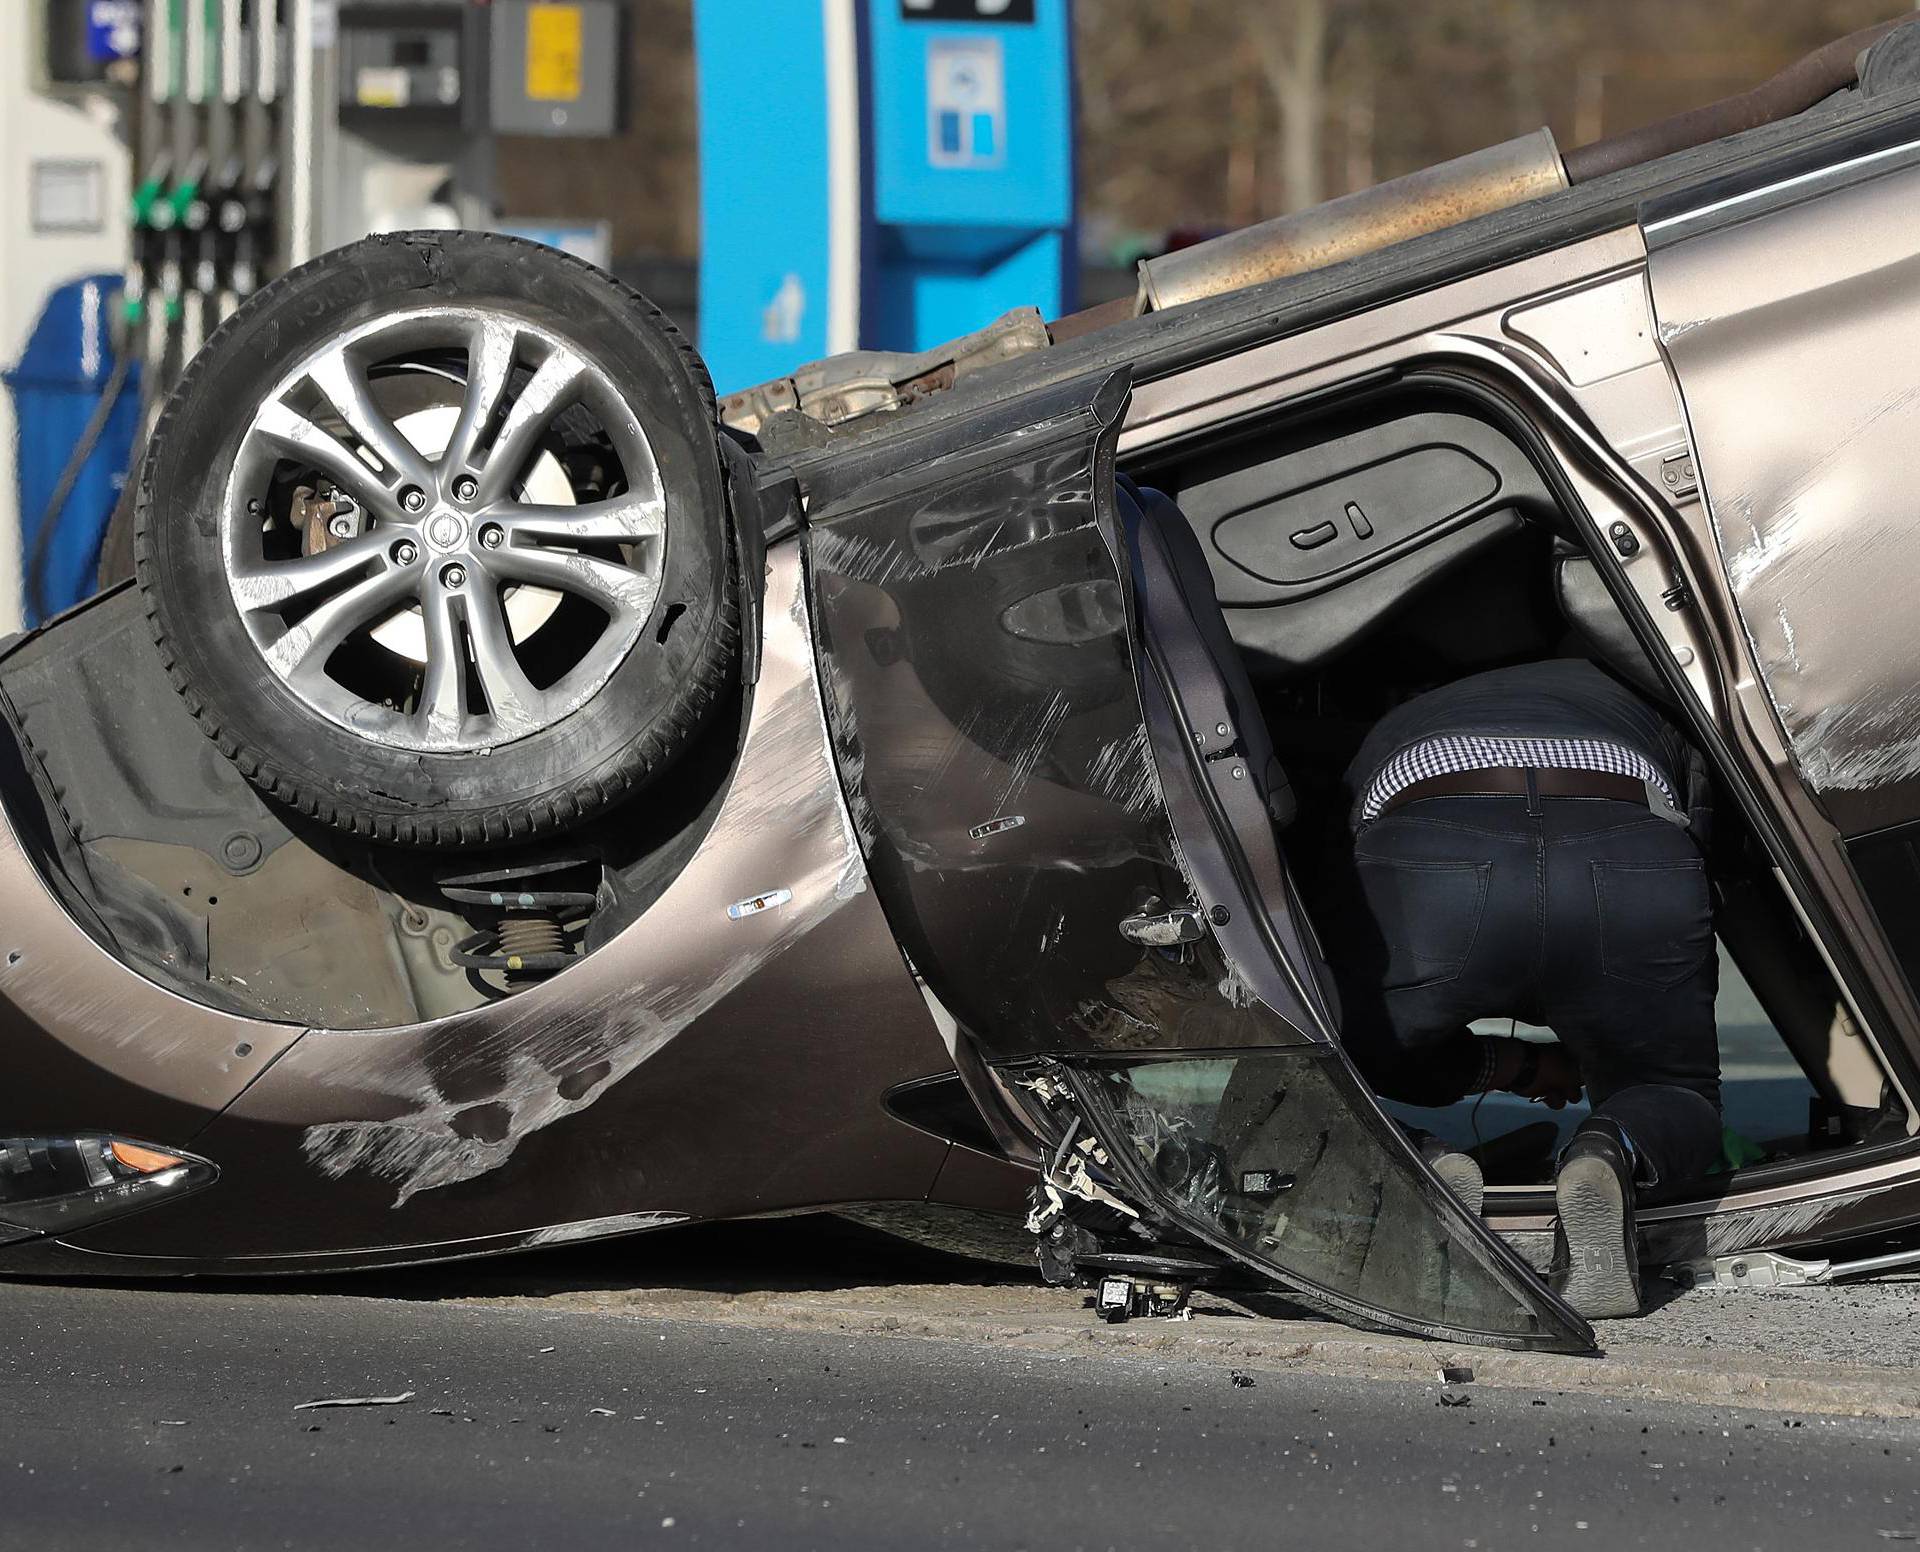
pixel 1164 929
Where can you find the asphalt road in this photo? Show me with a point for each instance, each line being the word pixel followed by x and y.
pixel 150 1419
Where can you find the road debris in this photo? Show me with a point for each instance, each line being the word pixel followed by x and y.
pixel 600 1411
pixel 1456 1374
pixel 353 1401
pixel 1241 1379
pixel 1453 1398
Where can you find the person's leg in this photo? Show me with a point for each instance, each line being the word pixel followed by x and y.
pixel 1630 978
pixel 1446 891
pixel 1629 974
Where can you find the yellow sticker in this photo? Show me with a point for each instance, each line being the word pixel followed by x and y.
pixel 553 53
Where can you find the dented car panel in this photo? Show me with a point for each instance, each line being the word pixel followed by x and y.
pixel 1792 335
pixel 1809 488
pixel 585 1106
pixel 981 691
pixel 1005 727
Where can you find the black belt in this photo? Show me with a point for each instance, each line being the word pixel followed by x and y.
pixel 1508 781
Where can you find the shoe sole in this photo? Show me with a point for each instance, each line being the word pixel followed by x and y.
pixel 1461 1175
pixel 1603 1281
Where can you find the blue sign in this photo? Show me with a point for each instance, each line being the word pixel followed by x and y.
pixel 113 29
pixel 885 174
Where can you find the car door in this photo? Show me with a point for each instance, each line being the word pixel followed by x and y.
pixel 1051 791
pixel 1791 315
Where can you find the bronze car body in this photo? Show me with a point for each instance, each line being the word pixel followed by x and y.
pixel 972 891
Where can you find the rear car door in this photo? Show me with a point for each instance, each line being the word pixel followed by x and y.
pixel 1791 315
pixel 1048 767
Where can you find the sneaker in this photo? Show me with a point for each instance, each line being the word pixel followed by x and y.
pixel 1596 1262
pixel 1459 1172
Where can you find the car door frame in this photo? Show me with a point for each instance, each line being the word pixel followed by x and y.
pixel 876 528
pixel 1675 595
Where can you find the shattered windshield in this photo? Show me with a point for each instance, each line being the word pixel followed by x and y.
pixel 1275 1157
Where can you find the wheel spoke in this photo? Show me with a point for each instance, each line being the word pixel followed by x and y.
pixel 515 704
pixel 621 519
pixel 298 438
pixel 305 647
pixel 271 587
pixel 491 345
pixel 437 718
pixel 345 385
pixel 625 594
pixel 548 391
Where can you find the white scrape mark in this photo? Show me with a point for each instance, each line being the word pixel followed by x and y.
pixel 1853 747
pixel 596 1228
pixel 1122 771
pixel 1035 734
pixel 1669 332
pixel 547 1060
pixel 1775 1226
pixel 1236 991
pixel 1787 637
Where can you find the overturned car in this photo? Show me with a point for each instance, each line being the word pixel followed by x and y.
pixel 521 801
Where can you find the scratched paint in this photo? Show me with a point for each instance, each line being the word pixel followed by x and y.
pixel 601 1228
pixel 1794 351
pixel 1122 771
pixel 466 1098
pixel 970 680
pixel 1778 1227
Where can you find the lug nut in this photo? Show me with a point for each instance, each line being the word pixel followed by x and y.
pixel 405 553
pixel 466 488
pixel 413 498
pixel 454 576
pixel 341 527
pixel 490 537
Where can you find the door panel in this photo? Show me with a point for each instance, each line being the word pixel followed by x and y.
pixel 980 690
pixel 984 688
pixel 1794 336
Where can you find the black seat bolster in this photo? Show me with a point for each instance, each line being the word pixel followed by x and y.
pixel 1176 539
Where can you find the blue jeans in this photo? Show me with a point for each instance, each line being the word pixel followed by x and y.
pixel 1588 916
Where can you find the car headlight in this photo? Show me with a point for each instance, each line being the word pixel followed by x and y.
pixel 55 1185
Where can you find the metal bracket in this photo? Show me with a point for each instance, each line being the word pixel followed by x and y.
pixel 1770 1269
pixel 1759 1269
pixel 1678 477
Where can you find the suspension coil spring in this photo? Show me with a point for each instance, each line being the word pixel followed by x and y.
pixel 534 903
pixel 520 937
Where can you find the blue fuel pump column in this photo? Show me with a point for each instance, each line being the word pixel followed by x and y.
pixel 879 174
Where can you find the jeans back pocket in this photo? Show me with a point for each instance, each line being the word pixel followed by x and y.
pixel 1428 914
pixel 1656 920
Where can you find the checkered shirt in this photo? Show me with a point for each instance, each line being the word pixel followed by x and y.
pixel 1445 756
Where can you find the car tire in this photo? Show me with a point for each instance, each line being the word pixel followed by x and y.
pixel 304 404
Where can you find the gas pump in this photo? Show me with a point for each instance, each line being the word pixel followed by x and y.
pixel 879 174
pixel 207 142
